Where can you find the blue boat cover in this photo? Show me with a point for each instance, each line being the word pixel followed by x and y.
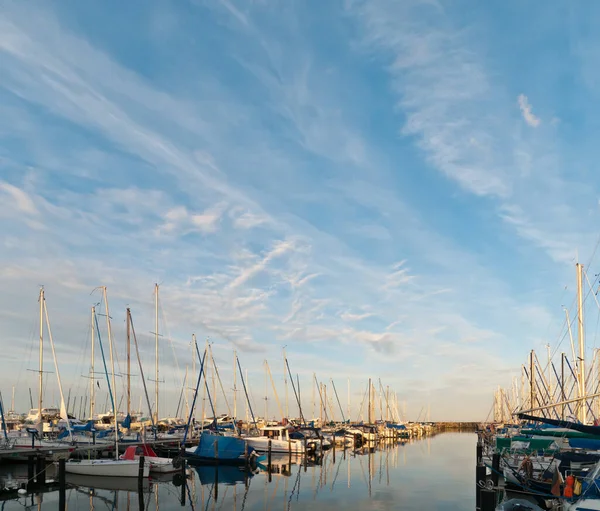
pixel 395 426
pixel 127 422
pixel 227 448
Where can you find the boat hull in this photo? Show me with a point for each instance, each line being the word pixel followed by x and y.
pixel 106 468
pixel 261 444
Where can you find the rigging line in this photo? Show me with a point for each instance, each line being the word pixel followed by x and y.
pixel 212 358
pixel 589 262
pixel 104 362
pixel 193 407
pixel 137 351
pixel 246 392
pixel 172 345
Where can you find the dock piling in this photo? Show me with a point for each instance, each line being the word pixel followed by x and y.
pixel 141 475
pixel 62 484
pixel 480 478
pixel 30 472
pixel 184 484
pixel 40 471
pixel 488 500
pixel 495 469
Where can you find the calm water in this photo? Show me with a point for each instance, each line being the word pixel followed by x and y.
pixel 436 473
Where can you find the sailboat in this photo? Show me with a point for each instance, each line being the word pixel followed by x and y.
pixel 102 467
pixel 212 447
pixel 154 462
pixel 31 437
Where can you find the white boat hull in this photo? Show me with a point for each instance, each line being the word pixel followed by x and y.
pixel 106 468
pixel 261 444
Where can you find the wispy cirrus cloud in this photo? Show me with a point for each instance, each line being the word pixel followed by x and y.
pixel 527 112
pixel 270 203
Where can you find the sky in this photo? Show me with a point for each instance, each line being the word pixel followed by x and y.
pixel 395 190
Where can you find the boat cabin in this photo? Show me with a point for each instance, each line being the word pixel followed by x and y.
pixel 276 433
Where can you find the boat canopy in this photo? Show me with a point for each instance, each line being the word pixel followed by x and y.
pixel 139 450
pixel 576 426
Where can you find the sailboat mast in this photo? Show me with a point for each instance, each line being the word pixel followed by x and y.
pixel 369 390
pixel 348 399
pixel 234 385
pixel 63 409
pixel 112 368
pixel 41 373
pixel 581 339
pixel 128 361
pixel 287 410
pixel 156 352
pixel 92 375
pixel 266 392
pixel 193 362
pixel 313 395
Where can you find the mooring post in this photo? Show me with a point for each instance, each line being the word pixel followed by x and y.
pixel 488 500
pixel 141 475
pixel 62 484
pixel 495 469
pixel 480 478
pixel 269 456
pixel 290 450
pixel 30 472
pixel 184 484
pixel 141 498
pixel 246 455
pixel 479 452
pixel 41 471
pixel 334 453
pixel 217 450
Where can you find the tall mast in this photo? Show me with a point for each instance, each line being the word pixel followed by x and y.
pixel 193 363
pixel 156 351
pixel 580 335
pixel 387 403
pixel 112 368
pixel 128 361
pixel 313 395
pixel 370 421
pixel 234 385
pixel 41 373
pixel 287 410
pixel 532 378
pixel 92 376
pixel 348 399
pixel 63 409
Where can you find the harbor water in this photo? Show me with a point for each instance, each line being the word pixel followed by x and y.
pixel 434 473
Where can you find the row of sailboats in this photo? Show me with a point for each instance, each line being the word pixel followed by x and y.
pixel 300 438
pixel 547 432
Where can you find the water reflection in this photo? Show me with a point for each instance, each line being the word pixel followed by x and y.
pixel 434 473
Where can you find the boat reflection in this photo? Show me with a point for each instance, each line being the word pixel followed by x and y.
pixel 346 478
pixel 225 474
pixel 126 484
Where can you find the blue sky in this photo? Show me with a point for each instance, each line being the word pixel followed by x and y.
pixel 389 189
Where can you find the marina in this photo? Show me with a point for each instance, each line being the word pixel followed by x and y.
pixel 430 473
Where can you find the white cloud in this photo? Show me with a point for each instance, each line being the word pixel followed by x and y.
pixel 19 199
pixel 179 220
pixel 247 219
pixel 348 316
pixel 525 107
